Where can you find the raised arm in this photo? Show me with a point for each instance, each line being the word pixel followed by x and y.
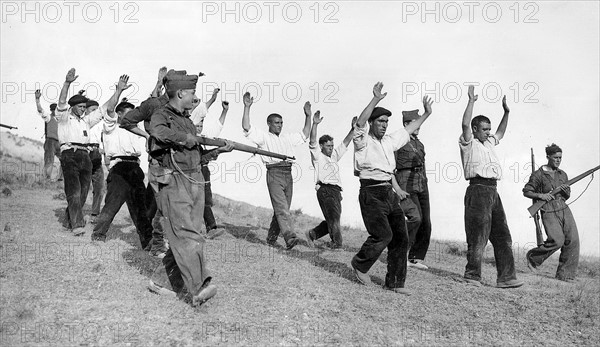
pixel 225 105
pixel 122 85
pixel 157 91
pixel 248 100
pixel 467 134
pixel 38 95
pixel 504 122
pixel 412 126
pixel 213 97
pixel 366 113
pixel 62 99
pixel 350 134
pixel 307 113
pixel 313 130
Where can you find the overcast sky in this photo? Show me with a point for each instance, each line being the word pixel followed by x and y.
pixel 544 56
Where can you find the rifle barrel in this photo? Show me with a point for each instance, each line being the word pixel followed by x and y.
pixel 242 147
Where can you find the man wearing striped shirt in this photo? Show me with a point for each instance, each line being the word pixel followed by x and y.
pixel 279 173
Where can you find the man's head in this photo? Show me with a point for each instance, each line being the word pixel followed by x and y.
pixel 91 106
pixel 326 144
pixel 409 117
pixel 378 121
pixel 123 108
pixel 554 155
pixel 481 127
pixel 181 89
pixel 275 122
pixel 53 107
pixel 78 103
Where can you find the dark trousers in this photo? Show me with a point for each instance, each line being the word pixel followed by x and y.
pixel 485 220
pixel 209 217
pixel 125 184
pixel 330 198
pixel 562 234
pixel 153 213
pixel 97 181
pixel 385 223
pixel 77 171
pixel 421 235
pixel 281 188
pixel 182 203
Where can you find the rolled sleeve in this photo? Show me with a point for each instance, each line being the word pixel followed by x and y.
pixel 359 137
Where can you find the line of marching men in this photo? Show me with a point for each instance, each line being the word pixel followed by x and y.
pixel 394 197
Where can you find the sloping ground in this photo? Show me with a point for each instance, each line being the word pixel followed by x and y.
pixel 61 290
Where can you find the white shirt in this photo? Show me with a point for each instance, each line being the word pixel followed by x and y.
pixel 212 129
pixel 327 170
pixel 282 144
pixel 374 159
pixel 119 141
pixel 480 159
pixel 96 133
pixel 73 129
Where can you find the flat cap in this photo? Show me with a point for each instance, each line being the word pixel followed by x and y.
pixel 378 112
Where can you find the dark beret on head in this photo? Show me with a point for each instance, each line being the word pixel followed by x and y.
pixel 409 116
pixel 90 103
pixel 378 112
pixel 77 99
pixel 53 107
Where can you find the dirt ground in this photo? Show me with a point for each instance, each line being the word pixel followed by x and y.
pixel 59 290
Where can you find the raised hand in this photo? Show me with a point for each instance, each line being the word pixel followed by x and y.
pixel 248 100
pixel 354 119
pixel 162 72
pixel 200 74
pixel 122 84
pixel 317 117
pixel 71 77
pixel 471 93
pixel 377 91
pixel 225 105
pixel 307 109
pixel 215 92
pixel 427 102
pixel 504 105
pixel 38 94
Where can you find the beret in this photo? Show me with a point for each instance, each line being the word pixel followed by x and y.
pixel 408 116
pixel 77 99
pixel 378 112
pixel 53 107
pixel 91 102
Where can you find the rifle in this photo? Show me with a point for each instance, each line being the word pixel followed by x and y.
pixel 7 126
pixel 214 141
pixel 537 205
pixel 539 236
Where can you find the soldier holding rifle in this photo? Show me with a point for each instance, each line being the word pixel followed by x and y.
pixel 556 216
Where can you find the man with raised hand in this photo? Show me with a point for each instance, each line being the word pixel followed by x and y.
pixel 51 143
pixel 74 134
pixel 143 113
pixel 413 190
pixel 177 149
pixel 125 178
pixel 329 185
pixel 484 214
pixel 380 206
pixel 279 173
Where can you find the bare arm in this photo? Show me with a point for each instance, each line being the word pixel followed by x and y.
pixel 248 100
pixel 313 130
pixel 366 113
pixel 307 113
pixel 350 134
pixel 467 134
pixel 412 126
pixel 504 122
pixel 225 105
pixel 212 98
pixel 62 99
pixel 38 95
pixel 157 91
pixel 122 85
